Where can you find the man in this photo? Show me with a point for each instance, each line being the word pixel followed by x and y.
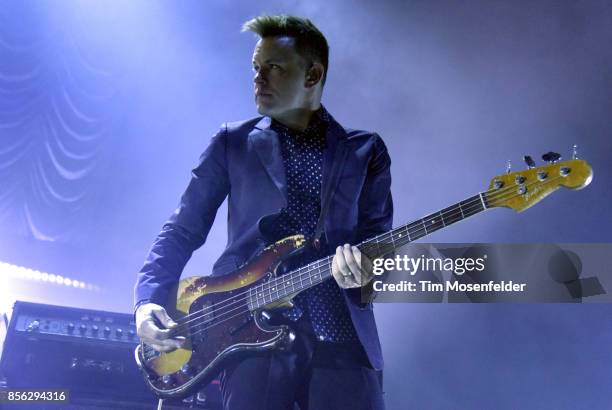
pixel 291 164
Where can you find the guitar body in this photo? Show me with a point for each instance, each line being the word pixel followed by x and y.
pixel 218 324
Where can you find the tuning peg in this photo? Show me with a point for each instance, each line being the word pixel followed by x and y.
pixel 551 157
pixel 575 151
pixel 529 161
pixel 508 167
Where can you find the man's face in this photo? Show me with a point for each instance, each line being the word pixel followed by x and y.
pixel 280 74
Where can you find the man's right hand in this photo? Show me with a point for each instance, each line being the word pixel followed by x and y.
pixel 149 317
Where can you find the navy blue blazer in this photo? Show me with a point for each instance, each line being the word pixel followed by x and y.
pixel 243 160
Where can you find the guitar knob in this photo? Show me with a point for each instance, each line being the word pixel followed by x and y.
pixel 529 161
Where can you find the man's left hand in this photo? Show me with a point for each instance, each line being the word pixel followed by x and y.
pixel 350 267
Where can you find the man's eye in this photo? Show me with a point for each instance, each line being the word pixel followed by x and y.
pixel 275 66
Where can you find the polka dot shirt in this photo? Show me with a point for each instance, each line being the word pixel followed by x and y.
pixel 303 159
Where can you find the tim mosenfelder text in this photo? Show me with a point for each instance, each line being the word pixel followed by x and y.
pixel 457 266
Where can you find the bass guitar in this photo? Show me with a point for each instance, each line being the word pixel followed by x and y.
pixel 227 316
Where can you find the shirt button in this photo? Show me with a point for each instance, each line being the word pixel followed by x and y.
pixel 321 338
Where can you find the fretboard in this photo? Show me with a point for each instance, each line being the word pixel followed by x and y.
pixel 316 272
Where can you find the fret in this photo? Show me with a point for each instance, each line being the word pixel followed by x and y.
pixel 403 235
pixel 485 200
pixel 260 296
pixel 482 200
pixel 433 222
pixel 406 235
pixel 415 231
pixel 471 206
pixel 273 292
pixel 286 284
pixel 319 275
pixel 287 288
pixel 452 214
pixel 292 284
pixel 250 303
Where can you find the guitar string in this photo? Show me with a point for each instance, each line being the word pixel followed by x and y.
pixel 497 195
pixel 309 268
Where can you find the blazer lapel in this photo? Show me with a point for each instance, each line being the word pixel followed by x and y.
pixel 267 146
pixel 333 160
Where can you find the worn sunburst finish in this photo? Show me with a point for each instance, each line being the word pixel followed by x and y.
pixel 225 331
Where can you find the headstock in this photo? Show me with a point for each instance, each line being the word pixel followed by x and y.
pixel 521 189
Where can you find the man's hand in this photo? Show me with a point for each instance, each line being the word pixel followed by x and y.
pixel 148 315
pixel 350 267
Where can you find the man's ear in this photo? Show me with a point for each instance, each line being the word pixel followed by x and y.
pixel 314 74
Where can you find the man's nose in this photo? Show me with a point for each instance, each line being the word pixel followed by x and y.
pixel 259 77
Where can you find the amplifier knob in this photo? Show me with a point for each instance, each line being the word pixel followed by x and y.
pixel 131 334
pixel 119 332
pixel 95 328
pixel 106 330
pixel 33 326
pixel 70 327
pixel 82 328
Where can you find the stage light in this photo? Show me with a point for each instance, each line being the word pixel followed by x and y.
pixel 8 270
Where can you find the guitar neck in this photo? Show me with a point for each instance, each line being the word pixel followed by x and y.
pixel 316 272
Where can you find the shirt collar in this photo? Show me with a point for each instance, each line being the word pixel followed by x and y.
pixel 319 120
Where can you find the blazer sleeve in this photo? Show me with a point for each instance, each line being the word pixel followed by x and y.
pixel 375 201
pixel 188 226
pixel 375 209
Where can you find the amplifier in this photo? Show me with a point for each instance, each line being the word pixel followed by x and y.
pixel 90 353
